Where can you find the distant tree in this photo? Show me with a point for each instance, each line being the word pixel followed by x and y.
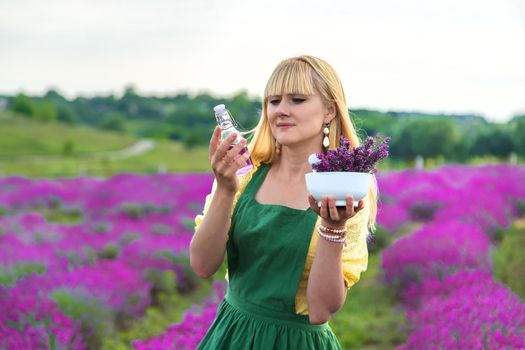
pixel 156 130
pixel 54 95
pixel 369 123
pixel 130 102
pixel 518 134
pixel 462 148
pixel 130 90
pixel 196 136
pixel 495 141
pixel 114 122
pixel 66 114
pixel 401 145
pixel 426 137
pixel 191 139
pixel 245 110
pixel 435 137
pixel 46 112
pixel 23 104
pixel 191 115
pixel 502 141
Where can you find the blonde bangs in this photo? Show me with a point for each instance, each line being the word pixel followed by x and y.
pixel 291 77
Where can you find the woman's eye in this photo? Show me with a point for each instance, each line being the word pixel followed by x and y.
pixel 298 100
pixel 274 102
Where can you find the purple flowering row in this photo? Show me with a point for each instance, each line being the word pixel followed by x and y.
pixel 468 310
pixel 128 226
pixel 443 270
pixel 486 195
pixel 134 224
pixel 435 250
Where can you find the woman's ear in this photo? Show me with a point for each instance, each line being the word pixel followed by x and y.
pixel 331 112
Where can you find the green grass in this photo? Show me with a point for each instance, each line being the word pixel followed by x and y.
pixel 166 156
pixel 34 149
pixel 509 258
pixel 171 155
pixel 65 216
pixel 20 136
pixel 9 275
pixel 371 317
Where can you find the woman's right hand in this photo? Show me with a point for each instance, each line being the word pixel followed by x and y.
pixel 225 161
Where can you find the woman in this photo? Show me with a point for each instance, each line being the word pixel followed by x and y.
pixel 289 268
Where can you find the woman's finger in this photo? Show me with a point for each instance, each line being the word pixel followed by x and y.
pixel 241 160
pixel 334 214
pixel 349 206
pixel 236 150
pixel 324 208
pixel 313 204
pixel 233 160
pixel 230 158
pixel 227 159
pixel 224 146
pixel 214 142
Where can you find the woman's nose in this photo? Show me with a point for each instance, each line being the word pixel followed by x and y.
pixel 282 109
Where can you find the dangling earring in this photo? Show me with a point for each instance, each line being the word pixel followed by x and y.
pixel 277 148
pixel 326 141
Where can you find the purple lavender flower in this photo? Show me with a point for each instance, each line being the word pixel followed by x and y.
pixel 468 310
pixel 362 159
pixel 188 333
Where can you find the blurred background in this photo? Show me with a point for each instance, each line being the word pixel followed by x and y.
pixel 106 110
pixel 81 80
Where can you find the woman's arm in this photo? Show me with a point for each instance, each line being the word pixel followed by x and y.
pixel 326 290
pixel 208 245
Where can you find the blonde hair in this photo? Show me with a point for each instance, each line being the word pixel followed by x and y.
pixel 307 75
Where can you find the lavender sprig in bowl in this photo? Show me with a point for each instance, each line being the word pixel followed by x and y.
pixel 346 170
pixel 361 159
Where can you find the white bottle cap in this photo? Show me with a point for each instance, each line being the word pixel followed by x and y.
pixel 219 108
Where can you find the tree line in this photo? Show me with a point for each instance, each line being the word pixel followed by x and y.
pixel 189 119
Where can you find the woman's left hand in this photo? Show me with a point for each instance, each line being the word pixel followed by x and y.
pixel 333 216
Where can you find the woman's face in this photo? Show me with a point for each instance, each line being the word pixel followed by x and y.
pixel 297 119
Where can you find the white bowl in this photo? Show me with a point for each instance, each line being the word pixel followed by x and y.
pixel 338 184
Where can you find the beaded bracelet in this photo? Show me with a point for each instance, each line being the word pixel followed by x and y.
pixel 331 238
pixel 338 232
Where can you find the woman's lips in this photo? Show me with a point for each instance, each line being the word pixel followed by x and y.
pixel 285 125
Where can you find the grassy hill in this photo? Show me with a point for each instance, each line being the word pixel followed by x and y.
pixel 36 149
pixel 23 136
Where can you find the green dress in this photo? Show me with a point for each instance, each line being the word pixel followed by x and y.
pixel 266 251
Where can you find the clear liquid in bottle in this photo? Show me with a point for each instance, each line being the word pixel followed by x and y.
pixel 227 124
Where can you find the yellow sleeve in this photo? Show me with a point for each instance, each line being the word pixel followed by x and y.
pixel 207 203
pixel 355 254
pixel 200 217
pixel 243 182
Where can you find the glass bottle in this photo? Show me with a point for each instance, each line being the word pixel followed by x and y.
pixel 228 127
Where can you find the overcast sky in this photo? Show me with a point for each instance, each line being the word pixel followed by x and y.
pixel 455 56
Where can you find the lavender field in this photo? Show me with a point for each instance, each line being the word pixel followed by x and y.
pixel 81 259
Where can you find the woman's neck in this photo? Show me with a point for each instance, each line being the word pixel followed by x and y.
pixel 293 162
